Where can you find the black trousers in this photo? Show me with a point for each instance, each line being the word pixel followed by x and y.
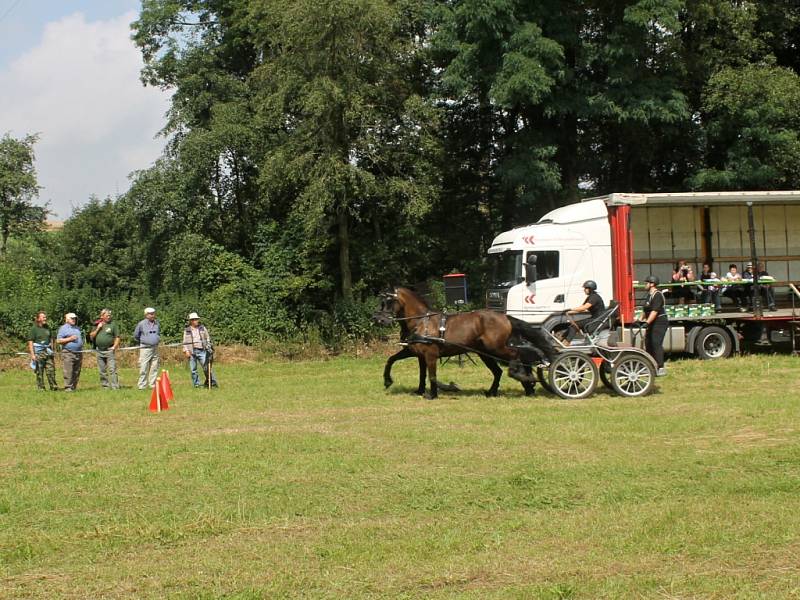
pixel 654 340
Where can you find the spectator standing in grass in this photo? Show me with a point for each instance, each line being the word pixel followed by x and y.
pixel 148 335
pixel 197 348
pixel 106 341
pixel 70 338
pixel 40 348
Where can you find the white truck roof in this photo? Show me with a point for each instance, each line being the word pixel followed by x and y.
pixel 700 198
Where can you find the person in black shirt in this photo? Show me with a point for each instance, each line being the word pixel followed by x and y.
pixel 655 317
pixel 767 293
pixel 593 305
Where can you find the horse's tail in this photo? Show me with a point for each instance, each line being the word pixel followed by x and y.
pixel 535 335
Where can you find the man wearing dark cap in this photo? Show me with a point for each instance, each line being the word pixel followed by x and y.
pixel 655 318
pixel 592 307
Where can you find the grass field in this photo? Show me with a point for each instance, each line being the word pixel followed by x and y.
pixel 308 480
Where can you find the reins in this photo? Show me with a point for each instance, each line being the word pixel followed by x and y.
pixel 426 315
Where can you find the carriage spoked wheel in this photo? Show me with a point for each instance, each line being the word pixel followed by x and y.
pixel 573 375
pixel 633 375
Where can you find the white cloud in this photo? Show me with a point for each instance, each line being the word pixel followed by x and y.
pixel 80 89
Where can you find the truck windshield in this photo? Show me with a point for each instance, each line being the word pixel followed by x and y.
pixel 506 268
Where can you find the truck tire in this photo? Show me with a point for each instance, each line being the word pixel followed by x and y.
pixel 713 343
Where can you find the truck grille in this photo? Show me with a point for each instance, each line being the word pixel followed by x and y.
pixel 496 300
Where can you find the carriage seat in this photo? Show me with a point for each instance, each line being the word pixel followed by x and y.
pixel 605 320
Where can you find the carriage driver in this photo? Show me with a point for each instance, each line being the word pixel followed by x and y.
pixel 593 305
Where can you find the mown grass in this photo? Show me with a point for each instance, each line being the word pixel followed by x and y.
pixel 308 480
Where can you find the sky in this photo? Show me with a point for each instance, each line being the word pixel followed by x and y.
pixel 70 73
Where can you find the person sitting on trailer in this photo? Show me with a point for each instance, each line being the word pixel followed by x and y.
pixel 592 307
pixel 734 292
pixel 747 275
pixel 710 293
pixel 767 293
pixel 682 274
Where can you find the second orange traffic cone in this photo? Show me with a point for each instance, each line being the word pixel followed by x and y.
pixel 166 386
pixel 157 400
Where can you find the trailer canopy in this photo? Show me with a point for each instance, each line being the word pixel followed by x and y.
pixel 713 227
pixel 700 199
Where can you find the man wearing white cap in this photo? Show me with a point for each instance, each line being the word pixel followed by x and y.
pixel 148 335
pixel 70 339
pixel 197 348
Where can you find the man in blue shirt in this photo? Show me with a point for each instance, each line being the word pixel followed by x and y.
pixel 70 339
pixel 148 335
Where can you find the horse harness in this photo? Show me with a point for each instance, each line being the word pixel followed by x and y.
pixel 414 338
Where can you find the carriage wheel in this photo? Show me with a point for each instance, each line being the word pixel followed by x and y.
pixel 605 375
pixel 544 379
pixel 633 375
pixel 573 375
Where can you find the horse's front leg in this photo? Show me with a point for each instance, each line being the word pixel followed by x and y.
pixel 430 361
pixel 387 370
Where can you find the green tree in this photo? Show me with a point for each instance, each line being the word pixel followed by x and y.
pixel 753 131
pixel 353 139
pixel 99 251
pixel 18 188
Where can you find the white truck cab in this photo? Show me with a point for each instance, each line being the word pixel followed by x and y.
pixel 571 244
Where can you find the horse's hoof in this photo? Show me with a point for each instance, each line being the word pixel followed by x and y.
pixel 428 397
pixel 491 393
pixel 387 383
pixel 418 393
pixel 449 387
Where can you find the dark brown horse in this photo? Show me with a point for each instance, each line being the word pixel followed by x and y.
pixel 430 335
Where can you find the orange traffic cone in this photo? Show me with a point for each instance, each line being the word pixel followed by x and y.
pixel 157 400
pixel 166 390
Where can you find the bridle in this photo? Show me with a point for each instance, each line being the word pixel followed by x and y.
pixel 390 316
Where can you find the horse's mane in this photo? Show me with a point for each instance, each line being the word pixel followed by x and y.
pixel 416 296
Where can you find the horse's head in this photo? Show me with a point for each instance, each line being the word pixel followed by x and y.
pixel 390 308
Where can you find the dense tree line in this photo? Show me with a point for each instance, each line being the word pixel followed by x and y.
pixel 319 150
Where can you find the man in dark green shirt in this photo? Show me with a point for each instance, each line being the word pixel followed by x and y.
pixel 40 348
pixel 106 341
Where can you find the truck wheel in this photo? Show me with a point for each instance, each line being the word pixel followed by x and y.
pixel 633 375
pixel 713 343
pixel 573 375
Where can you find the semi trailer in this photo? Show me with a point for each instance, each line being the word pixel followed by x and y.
pixel 617 240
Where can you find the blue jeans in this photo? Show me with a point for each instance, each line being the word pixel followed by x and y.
pixel 200 356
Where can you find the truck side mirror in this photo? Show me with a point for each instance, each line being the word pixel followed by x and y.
pixel 530 269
